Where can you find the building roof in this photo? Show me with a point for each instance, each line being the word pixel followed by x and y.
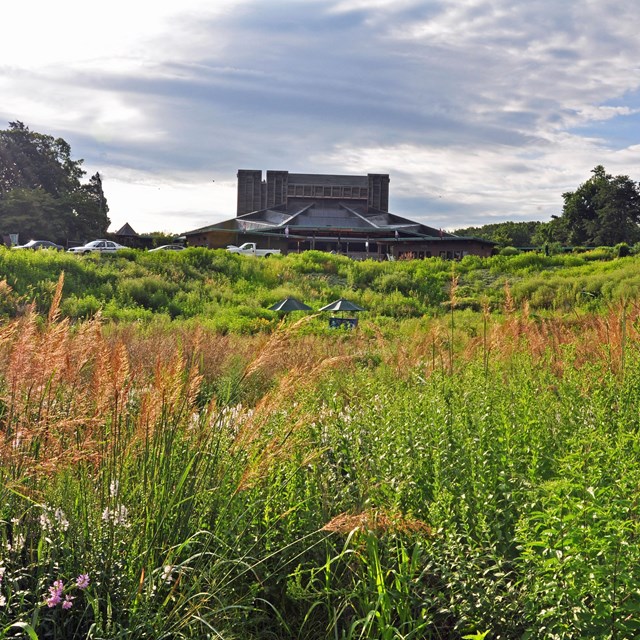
pixel 325 215
pixel 126 230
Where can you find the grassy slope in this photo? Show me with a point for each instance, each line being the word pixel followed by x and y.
pixel 231 293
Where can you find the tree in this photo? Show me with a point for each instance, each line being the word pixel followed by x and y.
pixel 605 210
pixel 516 234
pixel 33 213
pixel 40 189
pixel 89 208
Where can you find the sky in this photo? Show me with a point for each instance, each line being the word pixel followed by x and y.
pixel 481 111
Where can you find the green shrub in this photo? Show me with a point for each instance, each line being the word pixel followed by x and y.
pixel 622 250
pixel 80 308
pixel 150 292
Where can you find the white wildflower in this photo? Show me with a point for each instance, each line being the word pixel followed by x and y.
pixel 63 523
pixel 167 574
pixel 118 515
pixel 45 523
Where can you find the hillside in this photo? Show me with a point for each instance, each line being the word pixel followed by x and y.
pixel 232 293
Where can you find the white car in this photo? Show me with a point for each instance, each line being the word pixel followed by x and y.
pixel 100 246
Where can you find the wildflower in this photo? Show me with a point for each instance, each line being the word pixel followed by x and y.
pixel 63 523
pixel 68 602
pixel 3 601
pixel 82 581
pixel 166 574
pixel 45 523
pixel 55 594
pixel 114 488
pixel 117 515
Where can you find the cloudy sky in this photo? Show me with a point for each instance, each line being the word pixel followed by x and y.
pixel 480 110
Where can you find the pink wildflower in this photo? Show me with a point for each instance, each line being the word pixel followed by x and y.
pixel 68 602
pixel 55 594
pixel 82 581
pixel 53 600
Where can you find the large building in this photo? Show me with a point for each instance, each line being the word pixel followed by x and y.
pixel 344 214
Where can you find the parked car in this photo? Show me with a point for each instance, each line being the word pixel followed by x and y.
pixel 100 246
pixel 169 247
pixel 39 244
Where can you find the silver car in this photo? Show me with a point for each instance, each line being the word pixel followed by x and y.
pixel 169 247
pixel 39 244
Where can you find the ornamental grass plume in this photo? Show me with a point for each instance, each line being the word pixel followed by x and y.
pixel 276 346
pixel 54 309
pixel 58 385
pixel 509 304
pixel 377 521
pixel 267 445
pixel 171 391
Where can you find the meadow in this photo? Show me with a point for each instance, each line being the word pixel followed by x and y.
pixel 463 465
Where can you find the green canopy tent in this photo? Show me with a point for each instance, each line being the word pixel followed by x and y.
pixel 342 305
pixel 289 304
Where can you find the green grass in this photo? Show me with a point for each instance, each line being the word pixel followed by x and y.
pixel 232 293
pixel 458 475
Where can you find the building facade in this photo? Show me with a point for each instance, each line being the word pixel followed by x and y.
pixel 344 214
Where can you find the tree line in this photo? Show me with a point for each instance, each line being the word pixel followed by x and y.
pixel 603 211
pixel 41 193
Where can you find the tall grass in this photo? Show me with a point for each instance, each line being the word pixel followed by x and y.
pixel 305 486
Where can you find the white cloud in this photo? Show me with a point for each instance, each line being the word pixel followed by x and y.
pixel 174 203
pixel 39 33
pixel 487 184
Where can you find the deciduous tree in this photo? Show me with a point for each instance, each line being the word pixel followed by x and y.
pixel 605 210
pixel 40 190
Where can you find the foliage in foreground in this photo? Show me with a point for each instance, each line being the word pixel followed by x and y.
pixel 447 485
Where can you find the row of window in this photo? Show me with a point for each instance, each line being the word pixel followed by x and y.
pixel 323 191
pixel 420 255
